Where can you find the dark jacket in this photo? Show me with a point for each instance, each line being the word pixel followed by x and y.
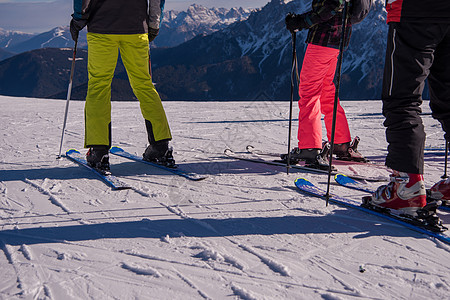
pixel 119 16
pixel 325 23
pixel 425 11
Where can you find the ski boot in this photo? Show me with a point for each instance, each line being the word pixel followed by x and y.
pixel 160 153
pixel 98 157
pixel 405 197
pixel 440 192
pixel 404 193
pixel 314 157
pixel 349 151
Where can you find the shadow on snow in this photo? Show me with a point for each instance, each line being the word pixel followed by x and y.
pixel 339 221
pixel 224 166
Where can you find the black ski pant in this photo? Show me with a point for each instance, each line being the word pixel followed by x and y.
pixel 415 52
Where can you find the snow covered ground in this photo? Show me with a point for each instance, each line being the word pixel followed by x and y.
pixel 244 232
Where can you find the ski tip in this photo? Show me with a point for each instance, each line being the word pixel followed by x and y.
pixel 302 181
pixel 198 178
pixel 115 149
pixel 228 150
pixel 119 188
pixel 344 178
pixel 340 175
pixel 71 151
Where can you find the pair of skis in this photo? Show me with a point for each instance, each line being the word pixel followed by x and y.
pixel 114 182
pixel 257 156
pixel 309 188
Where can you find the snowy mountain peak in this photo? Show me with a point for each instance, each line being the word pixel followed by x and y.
pixel 196 15
pixel 9 38
pixel 178 27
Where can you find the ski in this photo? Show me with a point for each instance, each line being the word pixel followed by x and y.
pixel 253 150
pixel 106 176
pixel 188 175
pixel 351 183
pixel 348 182
pixel 230 154
pixel 309 188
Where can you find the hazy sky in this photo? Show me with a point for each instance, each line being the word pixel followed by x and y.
pixel 43 15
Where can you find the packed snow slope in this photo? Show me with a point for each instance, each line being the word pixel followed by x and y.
pixel 242 233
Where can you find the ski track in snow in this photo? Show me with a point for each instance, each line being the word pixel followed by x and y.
pixel 55 200
pixel 273 265
pixel 192 285
pixel 148 271
pixel 8 252
pixel 244 294
pixel 29 276
pixel 211 254
pixel 243 232
pixel 26 251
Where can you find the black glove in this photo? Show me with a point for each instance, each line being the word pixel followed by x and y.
pixel 295 22
pixel 152 34
pixel 75 27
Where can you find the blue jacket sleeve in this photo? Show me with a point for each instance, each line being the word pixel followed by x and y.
pixel 155 13
pixel 81 9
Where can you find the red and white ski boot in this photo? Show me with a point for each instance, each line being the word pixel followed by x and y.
pixel 405 194
pixel 441 191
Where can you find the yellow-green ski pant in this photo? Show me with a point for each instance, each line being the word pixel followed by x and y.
pixel 103 51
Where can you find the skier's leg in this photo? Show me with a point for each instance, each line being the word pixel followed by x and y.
pixel 313 71
pixel 439 81
pixel 342 132
pixel 134 52
pixel 102 60
pixel 409 56
pixel 410 52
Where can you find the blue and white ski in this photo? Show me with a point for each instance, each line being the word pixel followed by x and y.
pixel 308 187
pixel 107 177
pixel 352 183
pixel 188 175
pixel 348 182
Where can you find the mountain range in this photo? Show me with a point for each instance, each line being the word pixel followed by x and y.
pixel 251 59
pixel 176 28
pixel 245 60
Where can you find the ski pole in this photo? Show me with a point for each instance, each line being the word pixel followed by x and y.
pixel 69 92
pixel 294 63
pixel 446 160
pixel 336 94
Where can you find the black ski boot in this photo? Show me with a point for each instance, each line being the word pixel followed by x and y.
pixel 98 157
pixel 314 157
pixel 297 155
pixel 160 153
pixel 349 151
